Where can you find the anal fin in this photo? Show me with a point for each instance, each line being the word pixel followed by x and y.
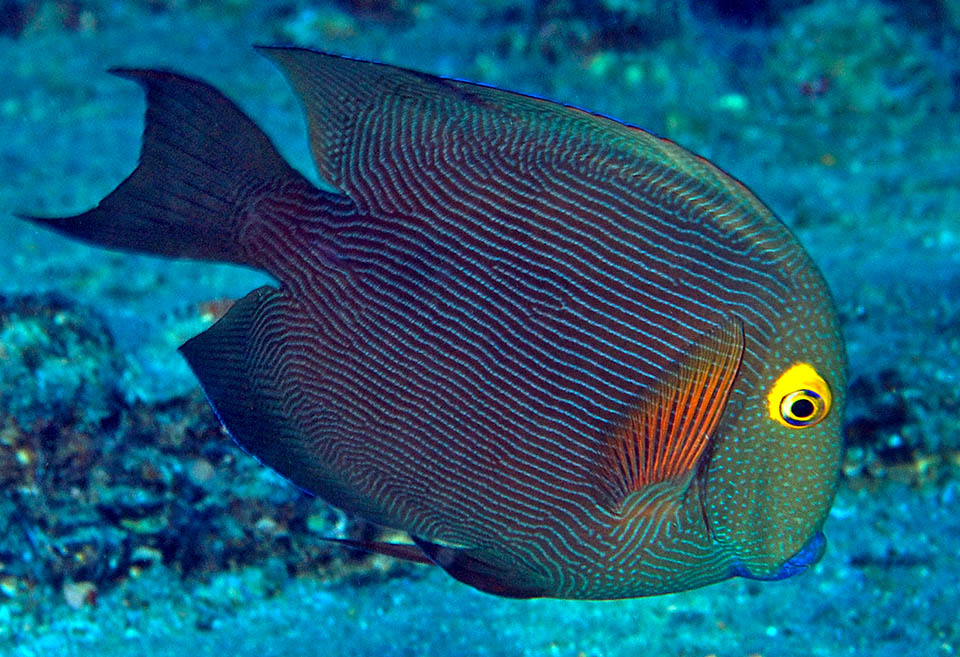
pixel 252 373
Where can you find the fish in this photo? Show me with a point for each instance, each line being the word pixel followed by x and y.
pixel 567 357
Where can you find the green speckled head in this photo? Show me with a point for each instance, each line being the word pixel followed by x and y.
pixel 774 473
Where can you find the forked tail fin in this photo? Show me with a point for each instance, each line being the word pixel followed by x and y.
pixel 202 159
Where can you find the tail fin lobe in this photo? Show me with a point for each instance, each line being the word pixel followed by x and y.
pixel 200 159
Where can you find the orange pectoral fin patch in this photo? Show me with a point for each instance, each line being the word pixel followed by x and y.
pixel 666 433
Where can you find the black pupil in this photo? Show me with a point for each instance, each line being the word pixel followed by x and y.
pixel 802 408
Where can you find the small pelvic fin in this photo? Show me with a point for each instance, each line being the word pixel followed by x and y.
pixel 405 551
pixel 659 446
pixel 484 571
pixel 469 565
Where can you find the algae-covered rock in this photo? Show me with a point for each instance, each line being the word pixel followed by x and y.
pixel 58 360
pixel 98 485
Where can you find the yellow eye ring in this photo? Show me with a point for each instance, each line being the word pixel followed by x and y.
pixel 800 398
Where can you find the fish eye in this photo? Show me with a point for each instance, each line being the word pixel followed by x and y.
pixel 802 408
pixel 800 397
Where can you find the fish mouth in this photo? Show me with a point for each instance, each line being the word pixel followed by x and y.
pixel 811 552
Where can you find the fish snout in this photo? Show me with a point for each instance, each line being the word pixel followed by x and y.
pixel 811 552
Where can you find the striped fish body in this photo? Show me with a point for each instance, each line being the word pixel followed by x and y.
pixel 538 340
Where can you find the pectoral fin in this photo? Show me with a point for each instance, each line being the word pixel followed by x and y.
pixel 654 454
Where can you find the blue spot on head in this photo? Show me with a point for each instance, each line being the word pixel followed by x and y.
pixel 809 554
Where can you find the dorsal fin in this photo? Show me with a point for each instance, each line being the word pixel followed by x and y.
pixel 665 435
pixel 349 100
pixel 337 92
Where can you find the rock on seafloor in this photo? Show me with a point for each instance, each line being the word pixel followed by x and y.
pixel 98 487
